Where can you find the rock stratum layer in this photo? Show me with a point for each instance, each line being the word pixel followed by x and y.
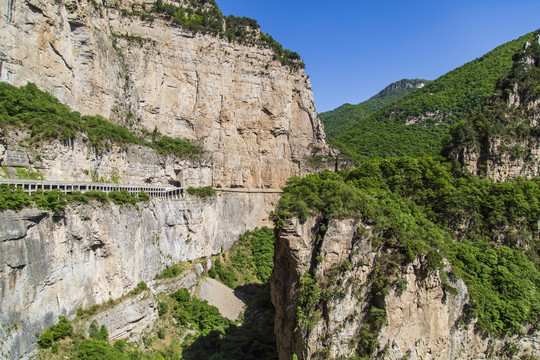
pixel 253 116
pixel 337 313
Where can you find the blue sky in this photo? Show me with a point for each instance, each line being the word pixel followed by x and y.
pixel 353 49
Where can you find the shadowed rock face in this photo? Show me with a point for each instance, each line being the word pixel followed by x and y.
pixel 254 117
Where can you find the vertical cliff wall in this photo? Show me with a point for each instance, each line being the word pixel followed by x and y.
pixel 51 264
pixel 329 290
pixel 254 117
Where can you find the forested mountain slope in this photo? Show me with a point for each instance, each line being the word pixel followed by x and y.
pixel 416 123
pixel 500 138
pixel 347 115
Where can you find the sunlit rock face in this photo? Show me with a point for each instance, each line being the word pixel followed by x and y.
pixel 254 117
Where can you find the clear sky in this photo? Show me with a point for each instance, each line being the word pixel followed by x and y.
pixel 353 49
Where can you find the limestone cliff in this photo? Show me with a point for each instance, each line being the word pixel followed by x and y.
pixel 253 116
pixel 51 264
pixel 330 303
pixel 500 139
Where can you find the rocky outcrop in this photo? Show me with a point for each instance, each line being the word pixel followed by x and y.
pixel 77 160
pixel 402 84
pixel 339 309
pixel 254 117
pixel 51 264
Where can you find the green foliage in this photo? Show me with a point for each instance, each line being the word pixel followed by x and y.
pixel 13 199
pixel 98 350
pixel 30 174
pixel 495 118
pixel 502 283
pixel 83 313
pixel 46 119
pixel 261 257
pixel 191 310
pixel 201 192
pixel 251 259
pixel 139 288
pixel 224 274
pixel 420 207
pixel 170 272
pixel 440 104
pixel 204 16
pixel 163 308
pixel 56 200
pixel 346 116
pixel 53 200
pixel 310 296
pixel 98 333
pixel 122 197
pixel 55 332
pixel 178 147
pixel 143 196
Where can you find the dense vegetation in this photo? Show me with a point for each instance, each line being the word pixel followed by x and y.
pixel 251 259
pixel 55 200
pixel 347 115
pixel 513 124
pixel 187 328
pixel 424 207
pixel 202 192
pixel 430 111
pixel 204 16
pixel 46 119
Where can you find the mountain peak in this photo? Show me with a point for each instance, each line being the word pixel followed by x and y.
pixel 400 85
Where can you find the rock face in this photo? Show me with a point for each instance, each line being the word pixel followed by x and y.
pixel 79 161
pixel 53 264
pixel 254 117
pixel 341 313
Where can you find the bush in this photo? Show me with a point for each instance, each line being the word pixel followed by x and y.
pixel 139 288
pixel 98 333
pixel 201 192
pixel 55 332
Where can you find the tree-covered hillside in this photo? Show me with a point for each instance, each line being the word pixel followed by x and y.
pixel 347 115
pixel 425 207
pixel 509 115
pixel 417 122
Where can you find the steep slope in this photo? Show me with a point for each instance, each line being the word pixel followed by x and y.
pixel 418 122
pixel 406 258
pixel 500 138
pixel 346 116
pixel 235 93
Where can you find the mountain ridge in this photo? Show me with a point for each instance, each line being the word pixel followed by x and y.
pixel 345 116
pixel 417 122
